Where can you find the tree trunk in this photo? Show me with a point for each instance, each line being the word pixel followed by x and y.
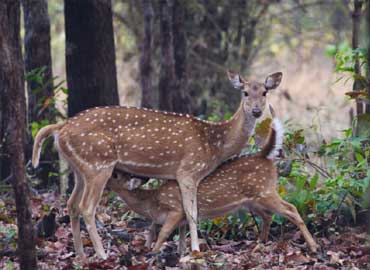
pixel 368 56
pixel 3 174
pixel 90 55
pixel 148 93
pixel 172 81
pixel 14 119
pixel 38 55
pixel 167 73
pixel 356 23
pixel 181 100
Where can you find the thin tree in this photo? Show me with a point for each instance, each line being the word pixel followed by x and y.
pixel 38 55
pixel 367 110
pixel 182 99
pixel 90 54
pixel 356 23
pixel 148 93
pixel 40 94
pixel 14 120
pixel 167 72
pixel 368 78
pixel 172 81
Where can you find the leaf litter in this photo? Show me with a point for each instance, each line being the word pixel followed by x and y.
pixel 124 240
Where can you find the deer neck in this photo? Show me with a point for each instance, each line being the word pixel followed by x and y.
pixel 138 200
pixel 237 132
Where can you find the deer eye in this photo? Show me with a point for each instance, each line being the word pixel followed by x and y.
pixel 264 93
pixel 245 94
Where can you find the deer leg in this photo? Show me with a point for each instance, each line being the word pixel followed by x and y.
pixel 172 220
pixel 277 205
pixel 182 239
pixel 151 235
pixel 189 200
pixel 292 214
pixel 74 213
pixel 266 222
pixel 93 190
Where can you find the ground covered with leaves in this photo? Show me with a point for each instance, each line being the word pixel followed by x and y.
pixel 343 247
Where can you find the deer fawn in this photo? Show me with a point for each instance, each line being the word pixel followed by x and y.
pixel 152 144
pixel 242 182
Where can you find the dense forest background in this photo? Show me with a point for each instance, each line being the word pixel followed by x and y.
pixel 58 58
pixel 253 37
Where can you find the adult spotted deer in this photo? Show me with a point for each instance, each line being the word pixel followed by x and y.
pixel 152 144
pixel 243 182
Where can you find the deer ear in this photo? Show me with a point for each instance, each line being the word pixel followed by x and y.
pixel 236 80
pixel 134 183
pixel 272 81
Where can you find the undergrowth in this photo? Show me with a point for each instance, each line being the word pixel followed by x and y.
pixel 326 182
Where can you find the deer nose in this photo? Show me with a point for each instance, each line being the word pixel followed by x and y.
pixel 256 112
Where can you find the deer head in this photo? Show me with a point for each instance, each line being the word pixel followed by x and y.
pixel 254 93
pixel 131 183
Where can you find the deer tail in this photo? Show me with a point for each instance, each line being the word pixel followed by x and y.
pixel 39 139
pixel 274 142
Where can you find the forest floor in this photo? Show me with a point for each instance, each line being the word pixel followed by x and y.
pixel 342 247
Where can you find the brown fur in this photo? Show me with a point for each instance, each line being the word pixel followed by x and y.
pixel 245 182
pixel 152 144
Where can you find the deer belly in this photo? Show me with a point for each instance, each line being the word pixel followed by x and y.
pixel 219 209
pixel 148 169
pixel 146 159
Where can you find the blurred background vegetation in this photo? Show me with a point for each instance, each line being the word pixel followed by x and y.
pixel 252 37
pixel 173 55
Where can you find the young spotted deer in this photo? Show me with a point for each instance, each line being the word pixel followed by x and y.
pixel 243 182
pixel 151 144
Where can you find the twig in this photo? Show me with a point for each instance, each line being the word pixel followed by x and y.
pixel 6 180
pixel 339 206
pixel 314 165
pixel 320 170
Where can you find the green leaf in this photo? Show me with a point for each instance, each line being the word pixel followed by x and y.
pixel 331 50
pixel 348 132
pixel 34 128
pixel 10 265
pixel 228 116
pixel 300 182
pixel 359 157
pixel 313 181
pixel 356 143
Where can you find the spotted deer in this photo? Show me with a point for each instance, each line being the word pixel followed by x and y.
pixel 245 182
pixel 149 143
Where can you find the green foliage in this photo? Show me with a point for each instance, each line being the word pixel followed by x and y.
pixel 10 265
pixel 36 126
pixel 153 184
pixel 346 59
pixel 45 112
pixel 231 226
pixel 9 237
pixel 341 179
pixel 45 103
